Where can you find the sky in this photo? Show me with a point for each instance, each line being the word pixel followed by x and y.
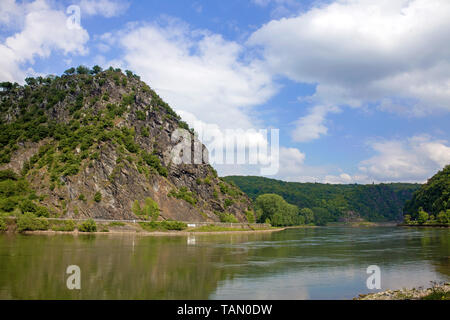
pixel 359 89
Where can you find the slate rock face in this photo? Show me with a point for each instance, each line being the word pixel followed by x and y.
pixel 80 134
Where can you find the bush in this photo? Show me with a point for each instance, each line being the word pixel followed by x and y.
pixel 8 175
pixel 65 225
pixel 250 216
pixel 174 225
pixel 423 216
pixel 444 217
pixel 140 115
pixel 227 217
pixel 184 194
pixel 28 206
pixel 42 212
pixel 88 226
pixel 163 225
pixel 29 222
pixel 98 196
pixel 7 205
pixel 3 225
pixel 149 210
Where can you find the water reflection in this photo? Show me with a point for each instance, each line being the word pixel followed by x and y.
pixel 320 263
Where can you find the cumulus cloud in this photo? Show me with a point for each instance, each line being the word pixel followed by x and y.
pixel 10 11
pixel 197 71
pixel 312 126
pixel 44 30
pixel 361 52
pixel 414 159
pixel 106 8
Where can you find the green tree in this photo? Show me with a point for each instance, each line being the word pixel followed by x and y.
pixel 274 208
pixel 82 70
pixel 88 226
pixel 443 217
pixel 422 216
pixel 308 214
pixel 69 71
pixel 407 219
pixel 151 209
pixel 96 69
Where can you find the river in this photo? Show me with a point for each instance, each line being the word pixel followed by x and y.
pixel 308 263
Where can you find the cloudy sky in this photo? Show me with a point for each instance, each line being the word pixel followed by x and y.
pixel 359 89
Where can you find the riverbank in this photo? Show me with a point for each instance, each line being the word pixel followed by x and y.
pixel 436 292
pixel 154 233
pixel 146 228
pixel 424 225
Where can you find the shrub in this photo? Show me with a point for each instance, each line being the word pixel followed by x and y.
pixel 28 206
pixel 88 226
pixel 423 216
pixel 227 217
pixel 42 212
pixel 7 205
pixel 98 196
pixel 444 217
pixel 82 197
pixel 149 210
pixel 145 132
pixel 184 194
pixel 153 161
pixel 407 218
pixel 3 225
pixel 228 202
pixel 29 222
pixel 8 175
pixel 174 225
pixel 250 216
pixel 65 225
pixel 140 115
pixel 163 225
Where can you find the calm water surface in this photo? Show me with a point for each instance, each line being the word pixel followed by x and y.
pixel 319 263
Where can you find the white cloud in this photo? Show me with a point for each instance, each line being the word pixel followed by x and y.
pixel 197 71
pixel 360 52
pixel 312 125
pixel 414 159
pixel 106 8
pixel 10 11
pixel 44 30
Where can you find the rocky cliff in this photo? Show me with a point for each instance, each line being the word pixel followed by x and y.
pixel 99 144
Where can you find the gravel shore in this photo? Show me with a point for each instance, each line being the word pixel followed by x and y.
pixel 438 291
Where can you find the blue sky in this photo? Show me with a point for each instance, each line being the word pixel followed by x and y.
pixel 360 90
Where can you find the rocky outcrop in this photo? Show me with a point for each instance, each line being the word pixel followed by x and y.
pixel 104 143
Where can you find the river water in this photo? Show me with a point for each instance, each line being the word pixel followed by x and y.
pixel 309 263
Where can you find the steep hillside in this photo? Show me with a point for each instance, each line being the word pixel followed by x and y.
pixel 380 202
pixel 433 196
pixel 95 143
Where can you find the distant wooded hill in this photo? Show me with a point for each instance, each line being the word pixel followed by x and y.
pixel 332 203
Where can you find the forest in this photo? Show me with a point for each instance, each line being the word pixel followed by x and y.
pixel 334 203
